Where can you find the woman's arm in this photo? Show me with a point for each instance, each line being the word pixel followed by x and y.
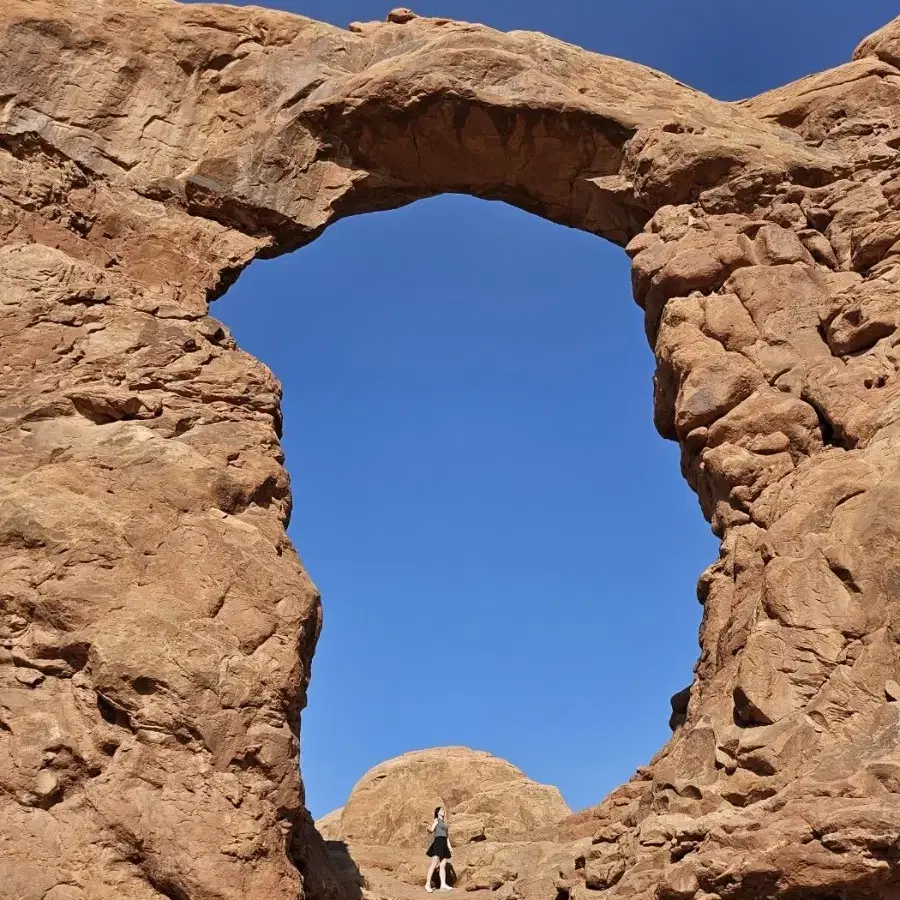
pixel 432 826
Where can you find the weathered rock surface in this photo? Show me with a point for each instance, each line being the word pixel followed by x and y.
pixel 489 799
pixel 156 625
pixel 494 810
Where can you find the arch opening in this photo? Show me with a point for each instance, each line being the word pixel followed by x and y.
pixel 467 421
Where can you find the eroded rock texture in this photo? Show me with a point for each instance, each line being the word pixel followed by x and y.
pixel 497 818
pixel 490 799
pixel 158 627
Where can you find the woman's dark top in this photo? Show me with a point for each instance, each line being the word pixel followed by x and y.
pixel 440 846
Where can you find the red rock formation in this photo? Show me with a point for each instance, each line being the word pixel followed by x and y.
pixel 494 812
pixel 487 798
pixel 157 625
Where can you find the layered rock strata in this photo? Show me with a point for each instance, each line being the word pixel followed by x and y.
pixel 157 625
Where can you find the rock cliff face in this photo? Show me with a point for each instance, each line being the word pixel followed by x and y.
pixel 157 627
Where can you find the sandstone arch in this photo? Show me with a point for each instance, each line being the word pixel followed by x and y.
pixel 157 625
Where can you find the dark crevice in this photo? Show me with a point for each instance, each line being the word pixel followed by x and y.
pixel 271 489
pixel 832 434
pixel 113 714
pixel 302 93
pixel 234 499
pixel 166 887
pixel 827 430
pixel 146 685
pixel 183 426
pixel 74 654
pixel 220 61
pixel 879 381
pixel 105 411
pixel 849 497
pixel 187 736
pixel 845 575
pixel 245 761
pixel 822 329
pixel 682 850
pixel 746 714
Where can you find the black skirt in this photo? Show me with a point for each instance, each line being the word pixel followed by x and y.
pixel 439 849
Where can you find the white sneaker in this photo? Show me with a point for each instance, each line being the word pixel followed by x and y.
pixel 429 888
pixel 446 888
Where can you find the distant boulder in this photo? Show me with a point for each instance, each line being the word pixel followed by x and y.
pixel 486 798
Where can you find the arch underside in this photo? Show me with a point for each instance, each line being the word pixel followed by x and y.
pixel 157 625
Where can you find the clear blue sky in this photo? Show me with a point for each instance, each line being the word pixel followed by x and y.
pixel 506 551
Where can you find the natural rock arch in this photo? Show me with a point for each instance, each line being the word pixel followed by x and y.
pixel 158 626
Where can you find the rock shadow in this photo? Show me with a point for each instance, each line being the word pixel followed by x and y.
pixel 451 877
pixel 350 880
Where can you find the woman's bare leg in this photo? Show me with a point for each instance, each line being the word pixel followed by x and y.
pixel 444 886
pixel 431 868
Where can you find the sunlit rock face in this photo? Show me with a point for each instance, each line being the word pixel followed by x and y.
pixel 486 797
pixel 498 820
pixel 157 626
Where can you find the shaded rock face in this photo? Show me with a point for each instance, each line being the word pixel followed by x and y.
pixel 157 627
pixel 487 798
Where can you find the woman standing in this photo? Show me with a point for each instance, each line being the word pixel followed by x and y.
pixel 440 850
